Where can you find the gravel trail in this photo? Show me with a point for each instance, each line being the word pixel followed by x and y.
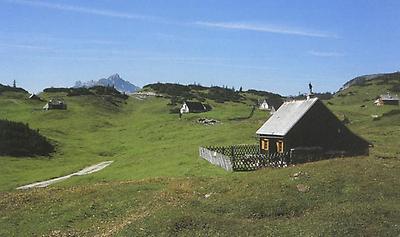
pixel 85 171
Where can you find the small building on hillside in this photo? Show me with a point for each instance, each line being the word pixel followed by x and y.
pixel 387 100
pixel 55 104
pixel 264 105
pixel 308 125
pixel 271 104
pixel 193 107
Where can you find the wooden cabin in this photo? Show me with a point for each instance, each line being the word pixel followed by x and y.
pixel 308 124
pixel 55 104
pixel 193 107
pixel 387 100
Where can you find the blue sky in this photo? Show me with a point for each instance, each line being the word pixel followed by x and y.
pixel 277 46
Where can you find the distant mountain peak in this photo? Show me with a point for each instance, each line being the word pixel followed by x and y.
pixel 114 77
pixel 114 80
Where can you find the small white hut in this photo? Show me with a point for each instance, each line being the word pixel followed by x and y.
pixel 193 107
pixel 264 106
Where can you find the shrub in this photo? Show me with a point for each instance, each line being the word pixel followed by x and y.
pixel 197 87
pixel 391 113
pixel 171 89
pixel 79 91
pixel 4 88
pixel 262 93
pixel 107 90
pixel 221 95
pixel 56 90
pixel 395 88
pixel 17 139
pixel 96 90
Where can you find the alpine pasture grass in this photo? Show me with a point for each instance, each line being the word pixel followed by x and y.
pixel 158 186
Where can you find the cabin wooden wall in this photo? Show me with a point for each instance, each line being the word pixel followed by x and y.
pixel 272 140
pixel 320 127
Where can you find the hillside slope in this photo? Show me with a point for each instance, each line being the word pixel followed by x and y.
pixel 140 134
pixel 361 80
pixel 380 125
pixel 158 186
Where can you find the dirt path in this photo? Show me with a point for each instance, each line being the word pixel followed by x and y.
pixel 85 171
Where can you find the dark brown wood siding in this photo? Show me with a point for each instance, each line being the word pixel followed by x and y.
pixel 319 127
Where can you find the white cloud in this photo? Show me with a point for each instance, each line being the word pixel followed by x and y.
pixel 325 54
pixel 85 10
pixel 270 28
pixel 23 46
pixel 266 28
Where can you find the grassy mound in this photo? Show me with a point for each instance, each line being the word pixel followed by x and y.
pixel 17 139
pixel 4 88
pixel 96 90
pixel 182 92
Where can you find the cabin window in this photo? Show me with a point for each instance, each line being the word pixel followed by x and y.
pixel 279 146
pixel 264 144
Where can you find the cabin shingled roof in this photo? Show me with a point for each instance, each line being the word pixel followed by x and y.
pixel 197 106
pixel 389 97
pixel 282 121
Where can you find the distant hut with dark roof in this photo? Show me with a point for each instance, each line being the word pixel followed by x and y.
pixel 271 104
pixel 308 124
pixel 387 100
pixel 55 104
pixel 193 107
pixel 264 105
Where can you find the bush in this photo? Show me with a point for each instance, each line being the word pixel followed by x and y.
pixel 395 88
pixel 79 91
pixel 197 87
pixel 96 90
pixel 262 93
pixel 171 89
pixel 391 113
pixel 17 139
pixel 106 90
pixel 324 96
pixel 221 95
pixel 56 90
pixel 4 88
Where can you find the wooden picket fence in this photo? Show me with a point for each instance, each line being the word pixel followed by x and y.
pixel 243 157
pixel 257 161
pixel 236 150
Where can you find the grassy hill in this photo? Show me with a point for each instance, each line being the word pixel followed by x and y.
pixel 158 186
pixel 17 139
pixel 356 103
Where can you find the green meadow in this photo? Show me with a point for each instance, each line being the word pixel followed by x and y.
pixel 158 185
